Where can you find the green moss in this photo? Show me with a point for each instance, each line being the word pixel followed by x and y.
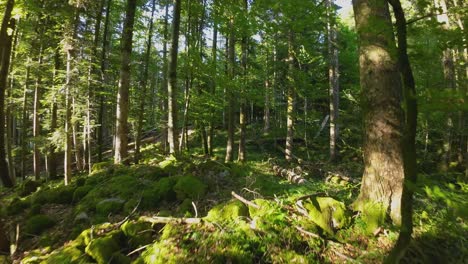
pixel 37 224
pixel 137 233
pixel 101 166
pixel 35 210
pixel 81 181
pixel 109 206
pixel 328 213
pixel 119 258
pixel 102 249
pixel 17 206
pixel 81 192
pixel 373 215
pixel 67 255
pixel 227 212
pixel 158 191
pixel 84 238
pixel 166 251
pixel 28 187
pixel 189 187
pixel 289 256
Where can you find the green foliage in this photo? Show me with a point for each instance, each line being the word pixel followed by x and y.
pixel 37 224
pixel 190 187
pixel 70 255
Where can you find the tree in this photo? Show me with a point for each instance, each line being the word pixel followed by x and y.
pixel 383 177
pixel 172 131
pixel 6 39
pixel 121 129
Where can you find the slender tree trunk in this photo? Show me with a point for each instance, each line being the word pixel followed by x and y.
pixel 144 84
pixel 172 130
pixel 121 129
pixel 5 53
pixel 165 80
pixel 290 98
pixel 230 94
pixel 10 119
pixel 37 108
pixel 333 79
pixel 104 80
pixel 214 54
pixel 243 104
pixel 24 120
pixel 4 241
pixel 409 138
pixel 382 181
pixel 76 141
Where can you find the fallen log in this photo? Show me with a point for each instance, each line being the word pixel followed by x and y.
pixel 167 220
pixel 292 175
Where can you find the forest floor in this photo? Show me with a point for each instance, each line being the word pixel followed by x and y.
pixel 198 210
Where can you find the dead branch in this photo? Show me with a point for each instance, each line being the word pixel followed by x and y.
pixel 245 201
pixel 167 220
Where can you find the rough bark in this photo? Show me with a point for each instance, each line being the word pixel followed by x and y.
pixel 172 129
pixel 5 52
pixel 409 138
pixel 121 127
pixel 144 85
pixel 382 181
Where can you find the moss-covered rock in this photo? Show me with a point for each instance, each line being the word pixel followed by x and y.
pixel 190 187
pixel 37 224
pixel 109 206
pixel 137 233
pixel 81 181
pixel 228 212
pixel 328 213
pixel 28 187
pixel 100 166
pixel 81 192
pixel 158 191
pixel 17 206
pixel 102 249
pixel 119 258
pixel 70 255
pixel 185 208
pixel 84 238
pixel 34 210
pixel 289 256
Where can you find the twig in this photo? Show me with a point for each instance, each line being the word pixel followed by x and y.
pixel 307 232
pixel 195 208
pixel 138 249
pixel 311 195
pixel 245 201
pixel 130 215
pixel 166 220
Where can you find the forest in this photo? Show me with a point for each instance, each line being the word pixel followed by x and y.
pixel 233 131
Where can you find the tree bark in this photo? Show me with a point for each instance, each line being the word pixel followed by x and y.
pixel 230 94
pixel 382 181
pixel 24 120
pixel 242 113
pixel 290 98
pixel 214 60
pixel 36 108
pixel 5 52
pixel 172 129
pixel 144 84
pixel 121 129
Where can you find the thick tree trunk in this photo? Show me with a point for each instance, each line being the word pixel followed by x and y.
pixel 382 181
pixel 290 98
pixel 4 241
pixel 6 40
pixel 172 130
pixel 243 105
pixel 409 139
pixel 230 94
pixel 121 129
pixel 333 79
pixel 144 84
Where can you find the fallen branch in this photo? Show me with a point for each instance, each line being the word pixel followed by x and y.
pixel 167 220
pixel 131 213
pixel 245 201
pixel 342 177
pixel 290 175
pixel 138 249
pixel 305 232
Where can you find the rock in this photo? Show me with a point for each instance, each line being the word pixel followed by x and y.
pixel 81 217
pixel 189 187
pixel 66 255
pixel 37 224
pixel 328 213
pixel 137 233
pixel 229 211
pixel 159 191
pixel 102 249
pixel 108 206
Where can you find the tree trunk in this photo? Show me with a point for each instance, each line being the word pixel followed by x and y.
pixel 172 130
pixel 382 181
pixel 104 66
pixel 242 113
pixel 290 98
pixel 230 94
pixel 76 142
pixel 144 84
pixel 333 80
pixel 10 118
pixel 4 241
pixel 121 129
pixel 24 120
pixel 214 61
pixel 37 107
pixel 409 138
pixel 164 101
pixel 5 52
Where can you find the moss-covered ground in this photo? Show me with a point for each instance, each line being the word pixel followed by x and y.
pixel 103 217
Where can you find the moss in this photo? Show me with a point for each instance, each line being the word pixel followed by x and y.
pixel 59 195
pixel 189 187
pixel 137 233
pixel 81 181
pixel 35 210
pixel 158 191
pixel 119 258
pixel 84 238
pixel 17 206
pixel 226 212
pixel 81 192
pixel 373 215
pixel 37 224
pixel 328 213
pixel 185 208
pixel 289 256
pixel 67 255
pixel 109 206
pixel 101 166
pixel 166 251
pixel 28 187
pixel 102 249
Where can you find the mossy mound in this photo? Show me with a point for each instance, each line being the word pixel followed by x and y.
pixel 232 210
pixel 158 191
pixel 137 233
pixel 58 195
pixel 102 249
pixel 67 254
pixel 109 206
pixel 328 213
pixel 37 224
pixel 100 166
pixel 190 187
pixel 81 192
pixel 17 206
pixel 28 187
